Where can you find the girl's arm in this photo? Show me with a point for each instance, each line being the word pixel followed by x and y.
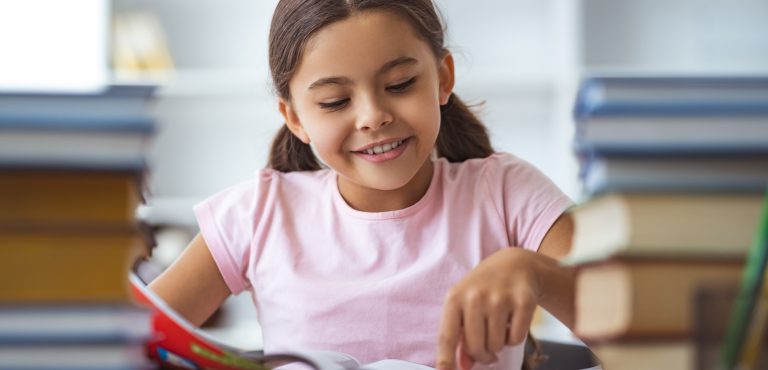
pixel 557 281
pixel 192 285
pixel 493 305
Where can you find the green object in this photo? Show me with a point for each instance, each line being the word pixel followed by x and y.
pixel 749 292
pixel 227 359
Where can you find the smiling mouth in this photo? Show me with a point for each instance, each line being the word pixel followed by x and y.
pixel 379 149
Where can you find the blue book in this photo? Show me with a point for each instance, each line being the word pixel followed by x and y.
pixel 90 145
pixel 137 122
pixel 701 172
pixel 672 95
pixel 680 114
pixel 105 130
pixel 643 133
pixel 118 108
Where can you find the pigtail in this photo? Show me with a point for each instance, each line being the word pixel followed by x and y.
pixel 289 154
pixel 462 136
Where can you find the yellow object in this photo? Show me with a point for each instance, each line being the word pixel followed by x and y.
pixel 139 47
pixel 67 266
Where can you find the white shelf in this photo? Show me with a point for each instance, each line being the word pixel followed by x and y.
pixel 172 211
pixel 216 82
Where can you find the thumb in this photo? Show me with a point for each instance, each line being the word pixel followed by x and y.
pixel 465 361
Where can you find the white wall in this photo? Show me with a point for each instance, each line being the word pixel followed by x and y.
pixel 218 115
pixel 679 35
pixel 521 57
pixel 63 48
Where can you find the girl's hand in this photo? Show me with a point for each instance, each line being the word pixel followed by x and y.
pixel 490 308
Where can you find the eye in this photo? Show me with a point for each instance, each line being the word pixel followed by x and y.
pixel 334 105
pixel 401 87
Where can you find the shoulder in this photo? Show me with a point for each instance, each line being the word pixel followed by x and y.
pixel 509 180
pixel 496 168
pixel 267 180
pixel 266 187
pixel 498 178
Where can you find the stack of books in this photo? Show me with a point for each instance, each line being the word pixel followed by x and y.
pixel 71 175
pixel 675 170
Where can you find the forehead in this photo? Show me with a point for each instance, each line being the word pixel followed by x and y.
pixel 359 45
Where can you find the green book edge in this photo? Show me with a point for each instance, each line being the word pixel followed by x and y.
pixel 751 286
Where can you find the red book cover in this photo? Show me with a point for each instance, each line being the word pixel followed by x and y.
pixel 178 344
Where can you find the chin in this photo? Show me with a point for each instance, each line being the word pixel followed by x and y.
pixel 387 184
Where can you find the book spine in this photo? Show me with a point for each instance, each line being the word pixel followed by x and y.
pixel 138 123
pixel 592 98
pixel 145 92
pixel 672 109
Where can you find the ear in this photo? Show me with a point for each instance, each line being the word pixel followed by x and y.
pixel 292 120
pixel 446 76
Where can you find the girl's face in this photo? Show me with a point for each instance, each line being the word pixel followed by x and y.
pixel 367 96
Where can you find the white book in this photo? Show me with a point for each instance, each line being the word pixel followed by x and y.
pixel 673 133
pixel 709 172
pixel 73 149
pixel 73 323
pixel 107 356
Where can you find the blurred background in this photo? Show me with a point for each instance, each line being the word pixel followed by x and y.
pixel 519 60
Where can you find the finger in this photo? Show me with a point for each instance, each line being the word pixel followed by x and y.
pixel 448 338
pixel 521 321
pixel 498 324
pixel 475 334
pixel 465 361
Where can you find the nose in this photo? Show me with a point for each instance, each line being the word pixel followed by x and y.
pixel 373 115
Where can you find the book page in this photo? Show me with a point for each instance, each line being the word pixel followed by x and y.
pixel 394 365
pixel 321 360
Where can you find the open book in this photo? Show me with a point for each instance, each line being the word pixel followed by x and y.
pixel 179 344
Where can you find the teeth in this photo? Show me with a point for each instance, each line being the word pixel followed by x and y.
pixel 378 149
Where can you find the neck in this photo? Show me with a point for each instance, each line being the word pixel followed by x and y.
pixel 374 200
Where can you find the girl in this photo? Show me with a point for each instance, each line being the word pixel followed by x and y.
pixel 385 225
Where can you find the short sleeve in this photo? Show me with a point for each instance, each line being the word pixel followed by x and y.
pixel 228 221
pixel 527 200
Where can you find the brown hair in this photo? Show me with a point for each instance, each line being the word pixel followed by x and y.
pixel 461 136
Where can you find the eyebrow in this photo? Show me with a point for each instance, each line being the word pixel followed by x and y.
pixel 339 80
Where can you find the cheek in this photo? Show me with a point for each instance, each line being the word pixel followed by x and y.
pixel 326 135
pixel 424 114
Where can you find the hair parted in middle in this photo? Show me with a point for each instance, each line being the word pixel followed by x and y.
pixel 462 136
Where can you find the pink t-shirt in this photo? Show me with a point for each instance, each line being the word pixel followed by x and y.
pixel 325 276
